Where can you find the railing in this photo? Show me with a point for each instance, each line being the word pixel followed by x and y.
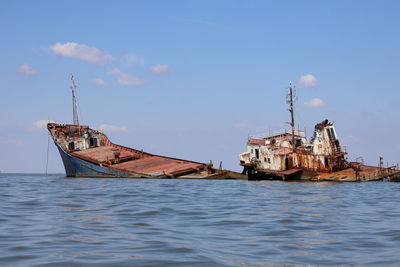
pixel 300 133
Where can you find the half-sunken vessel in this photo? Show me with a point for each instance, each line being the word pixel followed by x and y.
pixel 291 156
pixel 86 152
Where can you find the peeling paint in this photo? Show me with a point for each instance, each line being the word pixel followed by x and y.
pixel 89 153
pixel 320 157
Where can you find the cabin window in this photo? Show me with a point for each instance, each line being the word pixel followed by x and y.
pixel 326 162
pixel 265 159
pixel 298 142
pixel 329 133
pixel 92 142
pixel 269 160
pixel 338 149
pixel 257 153
pixel 71 146
pixel 332 133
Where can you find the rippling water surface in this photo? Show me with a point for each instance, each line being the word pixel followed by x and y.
pixel 58 221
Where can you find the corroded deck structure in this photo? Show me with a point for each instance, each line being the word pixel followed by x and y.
pixel 89 153
pixel 291 155
pixel 86 152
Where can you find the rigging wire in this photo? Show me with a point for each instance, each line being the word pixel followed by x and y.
pixel 48 148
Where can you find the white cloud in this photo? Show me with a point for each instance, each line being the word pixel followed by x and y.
pixel 307 81
pixel 130 59
pixel 112 128
pixel 41 124
pixel 98 82
pixel 159 68
pixel 83 52
pixel 26 69
pixel 314 103
pixel 126 79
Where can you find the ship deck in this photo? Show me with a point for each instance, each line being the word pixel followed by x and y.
pixel 131 160
pixel 359 173
pixel 159 165
pixel 364 173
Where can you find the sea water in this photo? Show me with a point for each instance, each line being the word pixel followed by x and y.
pixel 57 221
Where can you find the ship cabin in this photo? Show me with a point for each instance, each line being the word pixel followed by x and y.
pixel 76 138
pixel 290 153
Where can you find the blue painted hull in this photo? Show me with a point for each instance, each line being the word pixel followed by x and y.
pixel 75 167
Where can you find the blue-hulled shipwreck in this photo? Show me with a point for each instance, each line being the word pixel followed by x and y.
pixel 86 152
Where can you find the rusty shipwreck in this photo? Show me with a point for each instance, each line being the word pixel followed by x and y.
pixel 86 152
pixel 291 156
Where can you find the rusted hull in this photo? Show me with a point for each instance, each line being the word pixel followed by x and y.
pixel 290 155
pixel 88 153
pixel 75 167
pixel 362 173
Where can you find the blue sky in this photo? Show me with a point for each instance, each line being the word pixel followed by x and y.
pixel 193 79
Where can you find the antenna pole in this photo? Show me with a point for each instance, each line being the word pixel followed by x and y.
pixel 290 99
pixel 74 104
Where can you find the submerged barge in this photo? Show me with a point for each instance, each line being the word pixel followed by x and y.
pixel 86 152
pixel 291 156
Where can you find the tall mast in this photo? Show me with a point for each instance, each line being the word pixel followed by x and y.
pixel 290 99
pixel 74 103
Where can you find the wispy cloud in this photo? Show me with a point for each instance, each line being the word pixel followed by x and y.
pixel 83 52
pixel 41 124
pixel 314 103
pixel 112 128
pixel 27 70
pixel 131 59
pixel 98 82
pixel 126 79
pixel 159 68
pixel 307 81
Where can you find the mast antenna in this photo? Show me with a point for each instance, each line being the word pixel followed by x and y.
pixel 74 102
pixel 291 98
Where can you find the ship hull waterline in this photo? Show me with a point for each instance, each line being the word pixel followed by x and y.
pixel 78 168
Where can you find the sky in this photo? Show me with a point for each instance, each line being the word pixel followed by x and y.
pixel 195 79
